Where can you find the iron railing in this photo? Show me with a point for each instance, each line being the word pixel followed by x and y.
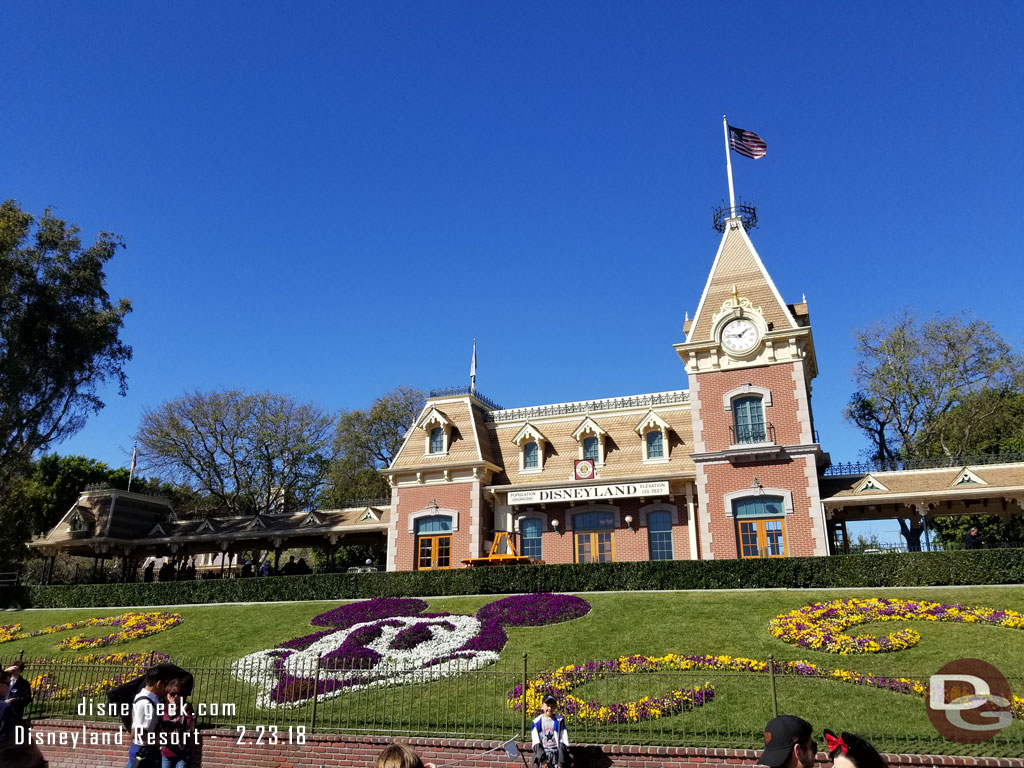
pixel 588 406
pixel 455 391
pixel 752 433
pixel 481 703
pixel 936 462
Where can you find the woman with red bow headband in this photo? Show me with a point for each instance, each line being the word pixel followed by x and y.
pixel 851 751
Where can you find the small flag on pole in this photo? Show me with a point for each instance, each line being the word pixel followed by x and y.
pixel 747 143
pixel 511 749
pixel 472 370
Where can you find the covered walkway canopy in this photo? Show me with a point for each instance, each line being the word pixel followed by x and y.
pixel 107 523
pixel 921 495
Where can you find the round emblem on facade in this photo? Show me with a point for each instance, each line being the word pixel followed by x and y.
pixel 584 469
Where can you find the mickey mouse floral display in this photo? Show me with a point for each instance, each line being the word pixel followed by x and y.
pixel 390 641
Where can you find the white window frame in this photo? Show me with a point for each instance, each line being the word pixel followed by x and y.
pixel 530 434
pixel 430 422
pixel 590 428
pixel 652 422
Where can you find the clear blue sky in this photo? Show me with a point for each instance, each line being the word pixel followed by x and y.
pixel 332 199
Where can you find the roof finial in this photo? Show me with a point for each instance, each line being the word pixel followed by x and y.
pixel 803 298
pixel 472 370
pixel 735 293
pixel 687 318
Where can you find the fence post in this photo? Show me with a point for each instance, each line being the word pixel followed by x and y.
pixel 771 680
pixel 21 655
pixel 525 732
pixel 316 695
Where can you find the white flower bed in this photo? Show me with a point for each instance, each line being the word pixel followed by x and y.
pixel 396 667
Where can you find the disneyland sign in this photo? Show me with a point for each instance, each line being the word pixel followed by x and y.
pixel 589 492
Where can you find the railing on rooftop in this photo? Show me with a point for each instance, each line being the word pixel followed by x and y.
pixel 454 391
pixel 937 462
pixel 588 406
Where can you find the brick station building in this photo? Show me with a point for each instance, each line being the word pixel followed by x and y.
pixel 730 467
pixel 727 468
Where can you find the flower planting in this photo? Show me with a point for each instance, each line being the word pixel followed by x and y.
pixel 821 626
pixel 561 682
pixel 81 673
pixel 130 626
pixel 391 641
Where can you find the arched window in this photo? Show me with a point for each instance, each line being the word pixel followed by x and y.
pixel 655 445
pixel 433 542
pixel 760 526
pixel 531 456
pixel 530 530
pixel 659 535
pixel 590 448
pixel 594 536
pixel 748 419
pixel 437 440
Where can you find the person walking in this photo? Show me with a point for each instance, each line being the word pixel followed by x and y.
pixel 19 694
pixel 178 728
pixel 549 736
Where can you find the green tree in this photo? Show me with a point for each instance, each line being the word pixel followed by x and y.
pixel 912 373
pixel 367 441
pixel 59 344
pixel 938 387
pixel 241 453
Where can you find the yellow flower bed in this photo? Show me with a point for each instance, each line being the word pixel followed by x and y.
pixel 131 626
pixel 821 626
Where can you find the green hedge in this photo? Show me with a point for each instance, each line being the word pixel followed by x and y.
pixel 993 566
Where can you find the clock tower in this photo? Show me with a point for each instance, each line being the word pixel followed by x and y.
pixel 750 360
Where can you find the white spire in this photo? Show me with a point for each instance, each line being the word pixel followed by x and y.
pixel 472 370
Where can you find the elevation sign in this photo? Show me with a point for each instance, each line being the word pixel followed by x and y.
pixel 585 493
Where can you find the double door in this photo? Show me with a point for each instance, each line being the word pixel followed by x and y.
pixel 762 538
pixel 433 552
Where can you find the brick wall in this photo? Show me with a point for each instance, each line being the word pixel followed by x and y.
pixel 628 545
pixel 220 750
pixel 789 475
pixel 454 496
pixel 783 413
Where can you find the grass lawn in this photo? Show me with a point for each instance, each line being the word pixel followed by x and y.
pixel 729 623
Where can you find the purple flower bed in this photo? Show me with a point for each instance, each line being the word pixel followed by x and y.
pixel 534 610
pixel 302 643
pixel 369 610
pixel 418 633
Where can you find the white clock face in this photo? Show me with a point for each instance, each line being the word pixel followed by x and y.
pixel 739 335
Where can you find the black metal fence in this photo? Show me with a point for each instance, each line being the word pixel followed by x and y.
pixel 455 699
pixel 898 465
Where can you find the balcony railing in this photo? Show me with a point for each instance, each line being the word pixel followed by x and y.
pixel 752 433
pixel 897 465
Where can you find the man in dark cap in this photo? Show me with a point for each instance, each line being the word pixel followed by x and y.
pixel 788 743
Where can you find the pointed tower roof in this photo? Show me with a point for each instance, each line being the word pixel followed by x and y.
pixel 738 269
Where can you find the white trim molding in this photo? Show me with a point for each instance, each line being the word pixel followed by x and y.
pixel 570 514
pixel 747 493
pixel 659 506
pixel 747 389
pixel 430 512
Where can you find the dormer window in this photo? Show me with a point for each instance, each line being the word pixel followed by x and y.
pixel 654 431
pixel 531 456
pixel 531 448
pixel 439 432
pixel 437 440
pixel 590 437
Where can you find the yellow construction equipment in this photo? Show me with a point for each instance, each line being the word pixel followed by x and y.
pixel 497 557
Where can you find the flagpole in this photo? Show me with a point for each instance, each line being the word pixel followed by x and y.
pixel 131 472
pixel 728 165
pixel 472 370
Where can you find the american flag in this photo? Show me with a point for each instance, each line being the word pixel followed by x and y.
pixel 747 143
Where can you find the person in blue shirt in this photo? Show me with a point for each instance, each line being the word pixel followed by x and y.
pixel 550 737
